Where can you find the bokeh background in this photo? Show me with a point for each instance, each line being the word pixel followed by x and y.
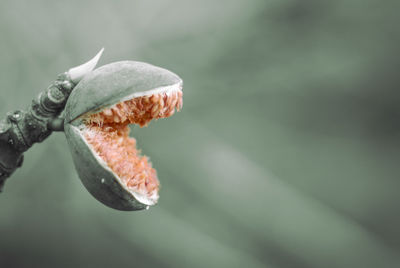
pixel 286 153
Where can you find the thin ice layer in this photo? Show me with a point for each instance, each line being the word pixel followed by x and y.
pixel 108 134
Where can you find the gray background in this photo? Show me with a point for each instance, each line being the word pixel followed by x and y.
pixel 285 154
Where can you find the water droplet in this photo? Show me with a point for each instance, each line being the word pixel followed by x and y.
pixel 147 207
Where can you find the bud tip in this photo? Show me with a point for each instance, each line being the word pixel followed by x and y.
pixel 77 73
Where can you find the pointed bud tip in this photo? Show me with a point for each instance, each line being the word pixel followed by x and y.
pixel 78 72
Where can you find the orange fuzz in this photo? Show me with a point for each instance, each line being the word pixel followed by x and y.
pixel 108 134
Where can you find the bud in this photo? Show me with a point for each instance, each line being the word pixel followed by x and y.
pixel 97 117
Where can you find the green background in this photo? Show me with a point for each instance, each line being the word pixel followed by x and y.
pixel 286 153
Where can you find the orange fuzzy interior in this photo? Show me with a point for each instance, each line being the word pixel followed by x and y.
pixel 108 134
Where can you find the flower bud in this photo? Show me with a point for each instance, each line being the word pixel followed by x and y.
pixel 97 117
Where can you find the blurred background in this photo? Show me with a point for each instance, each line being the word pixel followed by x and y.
pixel 285 154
